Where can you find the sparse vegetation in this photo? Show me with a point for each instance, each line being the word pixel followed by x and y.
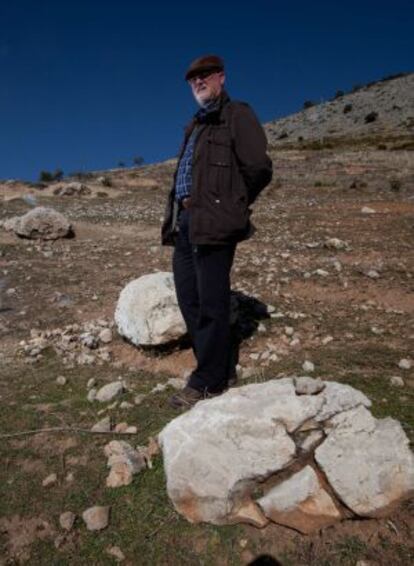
pixel 308 104
pixel 49 177
pixel 371 117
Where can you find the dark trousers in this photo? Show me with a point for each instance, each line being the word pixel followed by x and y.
pixel 202 282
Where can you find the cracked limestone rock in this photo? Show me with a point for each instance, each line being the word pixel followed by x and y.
pixel 215 450
pixel 147 311
pixel 367 461
pixel 219 452
pixel 300 502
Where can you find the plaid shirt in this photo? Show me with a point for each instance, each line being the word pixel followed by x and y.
pixel 183 181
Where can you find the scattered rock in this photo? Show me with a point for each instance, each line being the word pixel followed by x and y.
pixel 96 518
pixel 50 480
pixel 147 311
pixel 103 425
pixel 105 336
pixel 300 502
pixel 109 391
pixel 116 552
pixel 397 381
pixel 176 383
pixel 308 366
pixel 72 189
pixel 335 244
pixel 124 461
pixel 91 395
pixel 373 274
pixel 61 380
pixel 67 520
pixel 405 363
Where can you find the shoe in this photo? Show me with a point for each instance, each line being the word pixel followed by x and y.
pixel 188 397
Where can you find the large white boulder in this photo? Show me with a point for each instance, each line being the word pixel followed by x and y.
pixel 219 453
pixel 41 223
pixel 147 311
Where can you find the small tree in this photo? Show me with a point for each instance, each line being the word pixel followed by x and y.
pixel 308 104
pixel 121 164
pixel 138 160
pixel 339 93
pixel 45 176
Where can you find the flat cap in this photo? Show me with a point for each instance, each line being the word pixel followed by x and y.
pixel 205 63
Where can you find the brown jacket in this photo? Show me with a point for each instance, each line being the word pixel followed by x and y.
pixel 230 168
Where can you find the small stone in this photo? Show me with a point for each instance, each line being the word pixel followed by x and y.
pixel 261 328
pixel 91 383
pixel 247 373
pixel 321 272
pixel 121 427
pixel 61 380
pixel 373 274
pixel 397 381
pixel 326 340
pixel 69 477
pixel 126 405
pixel 159 388
pixel 50 480
pixel 109 391
pixel 289 330
pixel 96 518
pixel 92 395
pixel 67 520
pixel 131 430
pixel 176 383
pixel 116 552
pixel 367 210
pixel 335 244
pixel 405 363
pixel 308 385
pixel 138 399
pixel 308 366
pixel 120 475
pixel 103 425
pixel 105 336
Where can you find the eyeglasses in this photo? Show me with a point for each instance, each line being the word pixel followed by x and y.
pixel 202 76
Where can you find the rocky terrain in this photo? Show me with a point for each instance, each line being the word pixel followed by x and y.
pixel 325 288
pixel 383 109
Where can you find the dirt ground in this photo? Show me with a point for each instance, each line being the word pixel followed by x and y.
pixel 350 311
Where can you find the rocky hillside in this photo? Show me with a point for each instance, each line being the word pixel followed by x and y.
pixel 382 109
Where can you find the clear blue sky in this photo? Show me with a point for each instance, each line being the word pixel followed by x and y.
pixel 87 83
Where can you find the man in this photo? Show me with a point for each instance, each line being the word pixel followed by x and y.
pixel 222 167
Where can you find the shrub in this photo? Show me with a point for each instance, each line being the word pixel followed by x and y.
pixel 283 136
pixel 339 93
pixel 121 164
pixel 347 108
pixel 395 185
pixel 138 160
pixel 371 117
pixel 308 104
pixel 49 177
